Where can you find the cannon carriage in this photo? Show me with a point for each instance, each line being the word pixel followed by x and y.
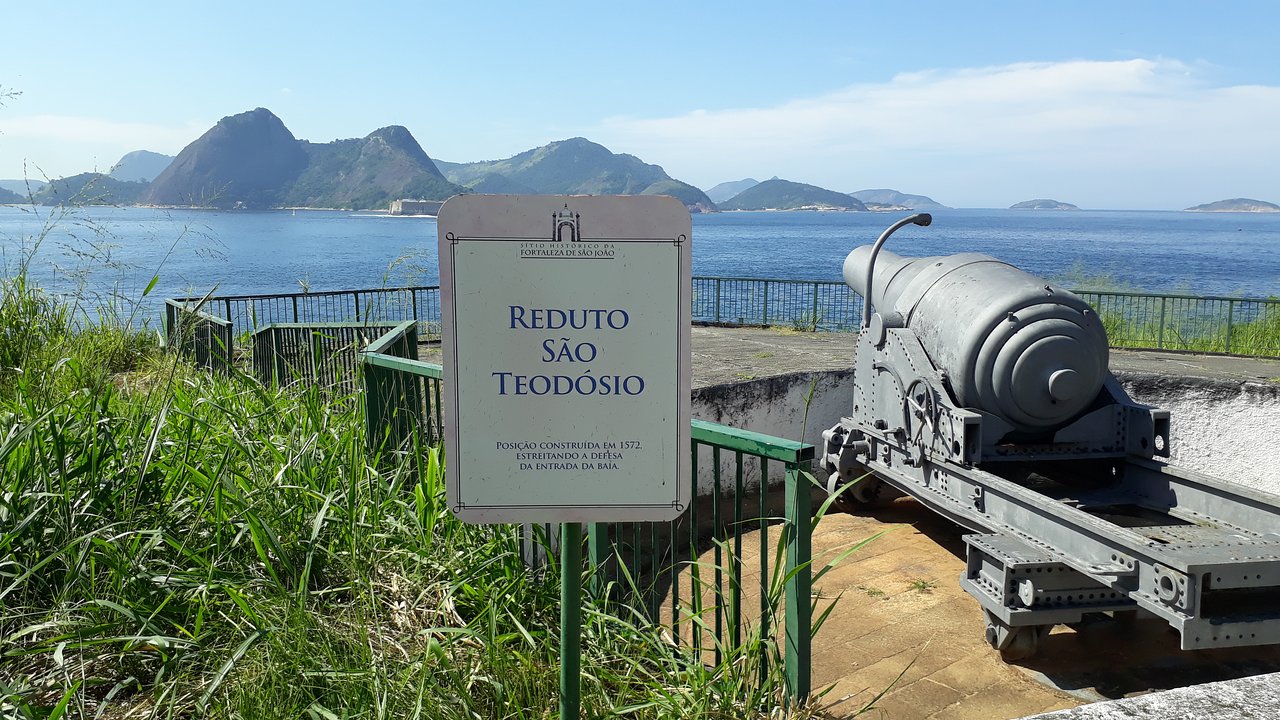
pixel 984 392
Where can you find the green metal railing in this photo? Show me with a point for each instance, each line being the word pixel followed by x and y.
pixel 1232 326
pixel 206 339
pixel 690 572
pixel 802 304
pixel 1237 326
pixel 322 354
pixel 248 313
pixel 401 393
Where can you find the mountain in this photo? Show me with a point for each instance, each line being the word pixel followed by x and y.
pixel 1236 205
pixel 9 197
pixel 251 160
pixel 387 164
pixel 895 198
pixel 246 160
pixel 90 189
pixel 1042 204
pixel 779 194
pixel 495 184
pixel 575 166
pixel 693 198
pixel 727 190
pixel 140 166
pixel 20 186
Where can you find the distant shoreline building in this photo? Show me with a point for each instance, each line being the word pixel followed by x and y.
pixel 414 207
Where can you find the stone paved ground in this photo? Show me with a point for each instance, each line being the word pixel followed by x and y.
pixel 903 623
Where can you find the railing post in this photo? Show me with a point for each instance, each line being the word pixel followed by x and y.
pixel 1231 307
pixel 372 401
pixel 1160 341
pixel 717 300
pixel 814 318
pixel 799 589
pixel 356 295
pixel 295 308
pixel 764 314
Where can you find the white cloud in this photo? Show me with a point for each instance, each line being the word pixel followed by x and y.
pixel 1135 133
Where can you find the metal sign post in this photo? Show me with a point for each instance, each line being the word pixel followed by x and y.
pixel 570 619
pixel 565 333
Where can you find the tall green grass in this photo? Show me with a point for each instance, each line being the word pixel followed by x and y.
pixel 181 544
pixel 1135 318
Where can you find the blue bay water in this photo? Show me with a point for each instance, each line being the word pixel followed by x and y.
pixel 102 249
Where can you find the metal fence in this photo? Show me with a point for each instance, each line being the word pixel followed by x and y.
pixel 1234 326
pixel 323 354
pixel 248 313
pixel 801 304
pixel 206 339
pixel 693 573
pixel 401 394
pixel 1237 326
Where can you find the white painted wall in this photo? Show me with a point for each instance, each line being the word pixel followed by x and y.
pixel 1224 429
pixel 773 406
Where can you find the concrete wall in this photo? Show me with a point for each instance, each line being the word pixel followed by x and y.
pixel 1226 429
pixel 797 407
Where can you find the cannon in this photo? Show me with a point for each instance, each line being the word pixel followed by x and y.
pixel 984 392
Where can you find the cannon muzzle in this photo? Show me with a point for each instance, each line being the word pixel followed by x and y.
pixel 1009 342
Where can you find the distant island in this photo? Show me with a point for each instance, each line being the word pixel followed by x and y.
pixel 140 166
pixel 885 199
pixel 727 190
pixel 1043 204
pixel 1236 205
pixel 778 194
pixel 89 188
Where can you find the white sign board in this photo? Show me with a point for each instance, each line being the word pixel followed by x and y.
pixel 566 357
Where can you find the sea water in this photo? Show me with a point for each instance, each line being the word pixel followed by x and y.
pixel 96 251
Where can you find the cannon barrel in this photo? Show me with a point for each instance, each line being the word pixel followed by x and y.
pixel 1009 343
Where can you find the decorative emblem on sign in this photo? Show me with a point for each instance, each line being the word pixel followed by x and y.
pixel 566 221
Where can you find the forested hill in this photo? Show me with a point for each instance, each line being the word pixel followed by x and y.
pixel 575 166
pixel 90 189
pixel 779 194
pixel 252 160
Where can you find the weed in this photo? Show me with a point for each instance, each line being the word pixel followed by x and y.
pixel 923 586
pixel 806 321
pixel 874 592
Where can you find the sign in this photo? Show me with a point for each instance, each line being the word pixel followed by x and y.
pixel 566 357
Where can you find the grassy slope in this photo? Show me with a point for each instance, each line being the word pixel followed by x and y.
pixel 174 544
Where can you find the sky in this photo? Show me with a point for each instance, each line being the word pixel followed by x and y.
pixel 1108 105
